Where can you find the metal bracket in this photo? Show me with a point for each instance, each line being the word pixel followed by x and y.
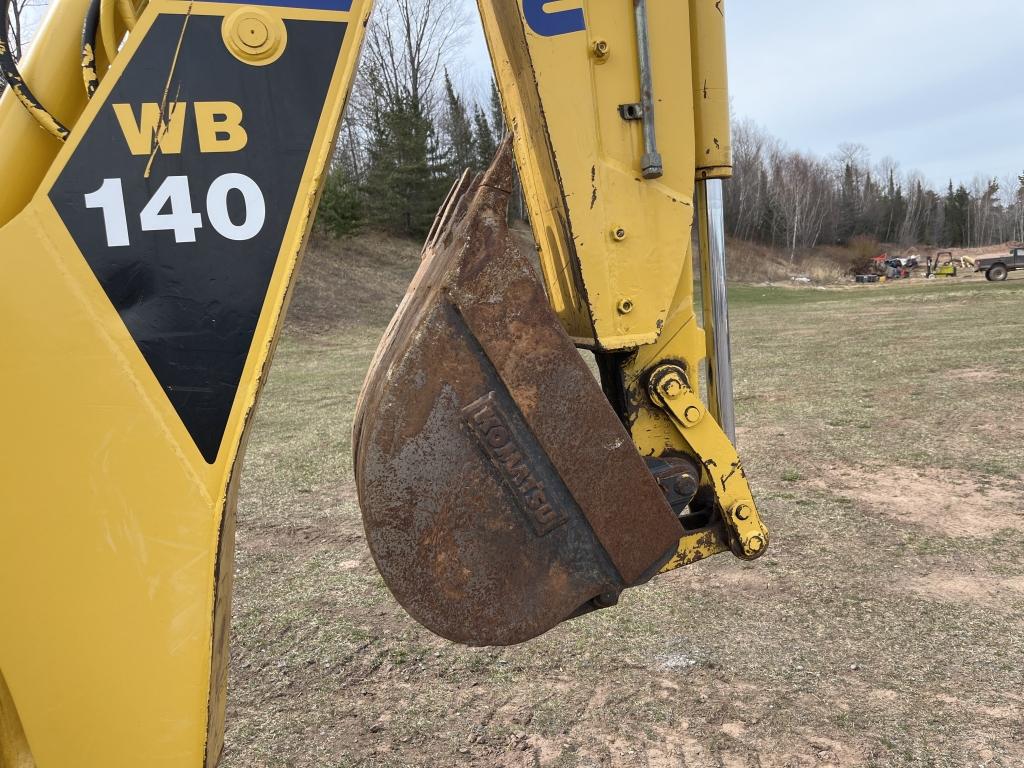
pixel 631 111
pixel 669 390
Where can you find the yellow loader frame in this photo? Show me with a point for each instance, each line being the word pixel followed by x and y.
pixel 116 533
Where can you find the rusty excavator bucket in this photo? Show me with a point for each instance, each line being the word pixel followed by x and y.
pixel 500 492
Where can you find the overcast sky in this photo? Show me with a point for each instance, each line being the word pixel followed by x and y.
pixel 938 85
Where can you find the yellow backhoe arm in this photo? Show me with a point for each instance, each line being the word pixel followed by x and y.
pixel 159 178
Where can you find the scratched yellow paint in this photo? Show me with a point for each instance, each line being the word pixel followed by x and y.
pixel 558 93
pixel 53 71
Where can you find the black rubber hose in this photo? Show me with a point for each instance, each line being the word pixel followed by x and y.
pixel 11 73
pixel 90 33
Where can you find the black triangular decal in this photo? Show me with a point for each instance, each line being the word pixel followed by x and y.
pixel 193 306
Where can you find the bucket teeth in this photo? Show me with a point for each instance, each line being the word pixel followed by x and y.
pixel 500 493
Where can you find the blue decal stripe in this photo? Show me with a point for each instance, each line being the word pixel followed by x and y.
pixel 553 24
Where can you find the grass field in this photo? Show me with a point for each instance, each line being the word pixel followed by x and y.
pixel 882 432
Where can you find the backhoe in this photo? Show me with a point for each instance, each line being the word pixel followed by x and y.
pixel 161 164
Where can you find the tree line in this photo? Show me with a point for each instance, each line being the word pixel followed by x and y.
pixel 411 129
pixel 409 133
pixel 796 201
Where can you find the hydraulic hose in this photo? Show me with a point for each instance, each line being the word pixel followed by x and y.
pixel 90 73
pixel 9 69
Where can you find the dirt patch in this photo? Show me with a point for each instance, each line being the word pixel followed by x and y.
pixel 978 375
pixel 983 589
pixel 950 503
pixel 1010 707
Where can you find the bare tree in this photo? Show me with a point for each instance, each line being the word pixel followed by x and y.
pixel 408 45
pixel 804 193
pixel 918 211
pixel 1012 198
pixel 747 193
pixel 855 155
pixel 797 201
pixel 22 17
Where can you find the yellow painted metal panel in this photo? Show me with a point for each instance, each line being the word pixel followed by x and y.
pixel 616 248
pixel 116 536
pixel 613 245
pixel 711 89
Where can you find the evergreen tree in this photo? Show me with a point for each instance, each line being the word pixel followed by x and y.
pixel 957 213
pixel 851 205
pixel 461 149
pixel 871 209
pixel 340 210
pixel 938 222
pixel 497 114
pixel 485 141
pixel 406 178
pixel 895 207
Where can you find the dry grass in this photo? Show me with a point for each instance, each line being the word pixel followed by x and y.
pixel 882 433
pixel 752 263
pixel 357 284
pixel 832 264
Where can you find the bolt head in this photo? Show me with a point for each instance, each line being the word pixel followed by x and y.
pixel 672 388
pixel 686 486
pixel 254 36
pixel 253 33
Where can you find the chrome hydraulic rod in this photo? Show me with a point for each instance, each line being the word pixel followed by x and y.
pixel 711 227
